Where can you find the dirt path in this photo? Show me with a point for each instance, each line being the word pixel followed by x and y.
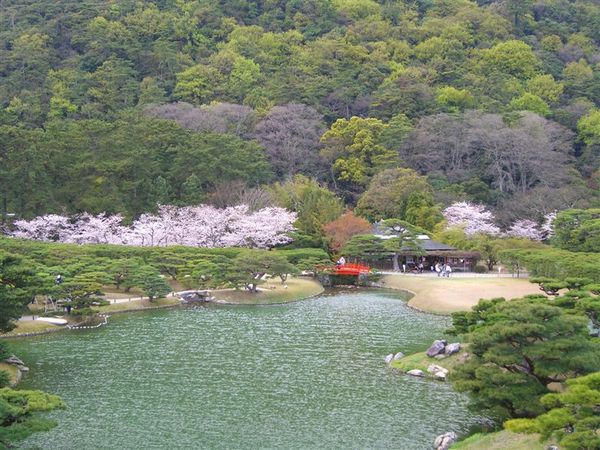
pixel 447 295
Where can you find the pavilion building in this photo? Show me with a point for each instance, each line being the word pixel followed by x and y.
pixel 427 251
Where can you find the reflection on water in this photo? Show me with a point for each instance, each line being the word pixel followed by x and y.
pixel 302 375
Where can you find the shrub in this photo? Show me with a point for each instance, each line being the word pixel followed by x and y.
pixel 4 378
pixel 4 353
pixel 480 269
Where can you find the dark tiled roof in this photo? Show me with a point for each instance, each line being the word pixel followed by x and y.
pixel 431 245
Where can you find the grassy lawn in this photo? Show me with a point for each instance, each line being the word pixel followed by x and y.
pixel 137 305
pixel 501 440
pixel 272 292
pixel 12 371
pixel 421 361
pixel 447 295
pixel 31 326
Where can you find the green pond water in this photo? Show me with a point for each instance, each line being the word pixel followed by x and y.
pixel 303 375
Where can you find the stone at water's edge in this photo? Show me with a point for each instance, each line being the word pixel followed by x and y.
pixel 398 356
pixel 453 348
pixel 438 372
pixel 435 368
pixel 436 348
pixel 389 358
pixel 444 441
pixel 14 361
pixel 415 373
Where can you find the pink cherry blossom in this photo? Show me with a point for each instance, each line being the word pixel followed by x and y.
pixel 198 226
pixel 474 219
pixel 51 227
pixel 526 229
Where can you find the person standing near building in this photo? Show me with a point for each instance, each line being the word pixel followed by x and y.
pixel 447 270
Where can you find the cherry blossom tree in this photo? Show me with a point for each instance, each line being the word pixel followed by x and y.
pixel 198 226
pixel 526 229
pixel 474 219
pixel 51 227
pixel 264 228
pixel 100 229
pixel 548 225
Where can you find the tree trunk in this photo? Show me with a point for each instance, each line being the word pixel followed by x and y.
pixel 396 264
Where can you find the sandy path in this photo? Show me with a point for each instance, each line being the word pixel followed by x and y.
pixel 447 295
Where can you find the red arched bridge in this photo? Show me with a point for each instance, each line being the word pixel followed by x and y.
pixel 346 269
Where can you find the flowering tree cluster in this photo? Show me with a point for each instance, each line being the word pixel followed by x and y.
pixel 548 225
pixel 198 226
pixel 475 219
pixel 526 229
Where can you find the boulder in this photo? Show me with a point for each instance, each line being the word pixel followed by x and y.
pixel 439 376
pixel 452 348
pixel 398 356
pixel 433 368
pixel 440 356
pixel 415 373
pixel 444 441
pixel 14 361
pixel 436 348
pixel 389 358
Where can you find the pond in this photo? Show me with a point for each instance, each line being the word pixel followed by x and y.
pixel 302 375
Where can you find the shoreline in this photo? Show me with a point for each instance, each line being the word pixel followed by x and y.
pixel 424 297
pixel 227 303
pixel 179 304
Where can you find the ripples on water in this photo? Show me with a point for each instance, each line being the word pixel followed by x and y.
pixel 300 376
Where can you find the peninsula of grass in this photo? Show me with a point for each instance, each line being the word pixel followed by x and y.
pixel 501 440
pixel 26 327
pixel 448 295
pixel 421 361
pixel 137 305
pixel 272 292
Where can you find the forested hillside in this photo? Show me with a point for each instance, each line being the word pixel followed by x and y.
pixel 395 106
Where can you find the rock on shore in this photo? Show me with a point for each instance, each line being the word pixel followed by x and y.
pixel 444 441
pixel 440 349
pixel 437 347
pixel 438 372
pixel 14 361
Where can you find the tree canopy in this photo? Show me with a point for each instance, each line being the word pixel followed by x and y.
pixel 115 107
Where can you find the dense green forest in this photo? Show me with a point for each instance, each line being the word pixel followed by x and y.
pixel 118 105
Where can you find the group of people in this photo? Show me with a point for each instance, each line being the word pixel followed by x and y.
pixel 443 270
